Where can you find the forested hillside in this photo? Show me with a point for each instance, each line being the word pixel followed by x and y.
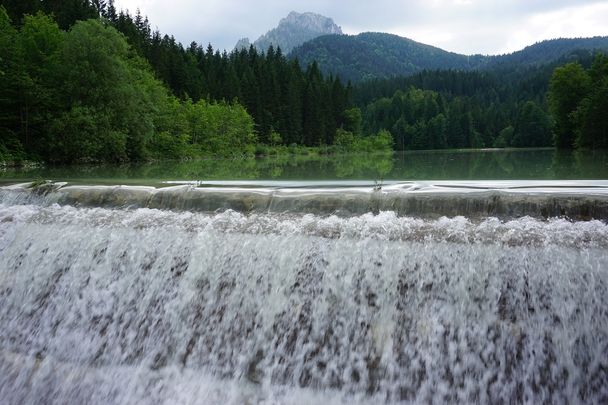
pixel 456 109
pixel 371 56
pixel 110 88
pixel 374 55
pixel 548 52
pixel 80 81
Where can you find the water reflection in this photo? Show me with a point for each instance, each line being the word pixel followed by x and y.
pixel 541 164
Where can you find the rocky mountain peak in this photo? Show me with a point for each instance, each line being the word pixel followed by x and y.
pixel 311 21
pixel 294 30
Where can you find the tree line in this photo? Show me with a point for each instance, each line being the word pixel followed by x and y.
pixel 297 102
pixel 109 88
pixel 82 81
pixel 284 98
pixel 505 107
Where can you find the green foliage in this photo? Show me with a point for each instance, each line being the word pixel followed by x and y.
pixel 40 40
pixel 353 120
pixel 381 142
pixel 227 129
pixel 532 127
pixel 592 113
pixel 348 142
pixel 417 119
pixel 189 129
pixel 108 96
pixel 578 101
pixel 569 85
pixel 344 139
pixel 84 134
pixel 12 80
pixel 66 12
pixel 85 95
pixel 165 145
pixel 505 137
pixel 275 138
pixel 476 106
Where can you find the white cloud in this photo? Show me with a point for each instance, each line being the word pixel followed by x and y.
pixel 466 26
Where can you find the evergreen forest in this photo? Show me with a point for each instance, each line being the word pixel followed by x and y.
pixel 83 82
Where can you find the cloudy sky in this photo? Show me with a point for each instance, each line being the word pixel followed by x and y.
pixel 465 26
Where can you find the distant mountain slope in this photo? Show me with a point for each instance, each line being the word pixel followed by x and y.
pixel 293 31
pixel 549 51
pixel 378 55
pixel 373 55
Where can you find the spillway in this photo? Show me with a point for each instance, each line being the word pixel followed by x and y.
pixel 240 293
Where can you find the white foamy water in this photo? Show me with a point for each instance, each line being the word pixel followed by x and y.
pixel 138 306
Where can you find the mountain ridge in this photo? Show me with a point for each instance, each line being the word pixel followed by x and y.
pixel 376 55
pixel 372 55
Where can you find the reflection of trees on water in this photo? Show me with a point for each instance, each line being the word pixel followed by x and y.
pixel 375 166
pixel 564 164
pixel 507 164
pixel 362 166
pixel 435 165
pixel 580 164
pixel 592 163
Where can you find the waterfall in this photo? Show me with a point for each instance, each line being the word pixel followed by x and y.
pixel 581 200
pixel 195 296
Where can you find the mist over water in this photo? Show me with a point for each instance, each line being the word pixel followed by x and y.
pixel 121 305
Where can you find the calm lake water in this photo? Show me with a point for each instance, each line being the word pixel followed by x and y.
pixel 529 164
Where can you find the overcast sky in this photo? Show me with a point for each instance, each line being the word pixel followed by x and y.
pixel 464 26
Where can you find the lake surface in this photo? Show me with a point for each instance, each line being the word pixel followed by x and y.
pixel 532 164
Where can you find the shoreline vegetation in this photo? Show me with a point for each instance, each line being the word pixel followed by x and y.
pixel 83 83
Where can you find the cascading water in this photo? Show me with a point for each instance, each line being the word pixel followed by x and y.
pixel 137 295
